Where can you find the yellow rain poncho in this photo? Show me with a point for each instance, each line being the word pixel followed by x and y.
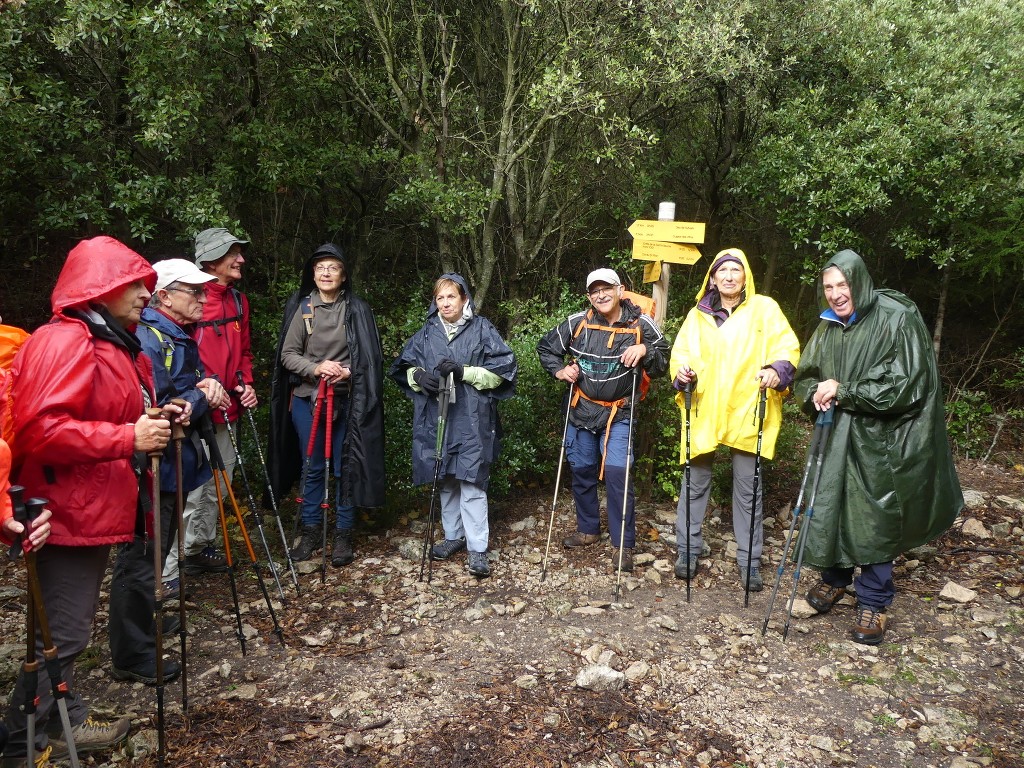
pixel 726 360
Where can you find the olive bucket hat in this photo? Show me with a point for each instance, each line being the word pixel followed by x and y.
pixel 212 244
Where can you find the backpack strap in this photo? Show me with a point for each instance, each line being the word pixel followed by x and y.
pixel 166 344
pixel 307 313
pixel 221 321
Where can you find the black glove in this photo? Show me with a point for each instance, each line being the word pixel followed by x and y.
pixel 428 382
pixel 447 366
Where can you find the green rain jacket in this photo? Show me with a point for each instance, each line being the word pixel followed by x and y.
pixel 888 483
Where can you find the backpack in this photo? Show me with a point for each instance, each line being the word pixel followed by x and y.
pixel 646 305
pixel 216 324
pixel 11 339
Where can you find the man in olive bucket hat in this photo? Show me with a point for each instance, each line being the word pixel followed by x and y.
pixel 223 336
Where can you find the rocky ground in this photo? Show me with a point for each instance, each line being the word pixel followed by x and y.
pixel 382 669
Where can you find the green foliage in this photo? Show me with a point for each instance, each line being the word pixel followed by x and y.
pixel 967 421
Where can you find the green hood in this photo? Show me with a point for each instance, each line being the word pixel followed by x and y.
pixel 862 287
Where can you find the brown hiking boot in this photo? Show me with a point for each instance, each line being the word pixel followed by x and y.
pixel 579 539
pixel 823 596
pixel 627 559
pixel 870 626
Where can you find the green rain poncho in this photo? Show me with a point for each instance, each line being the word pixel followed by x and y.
pixel 888 483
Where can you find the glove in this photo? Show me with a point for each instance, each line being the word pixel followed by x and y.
pixel 447 366
pixel 428 382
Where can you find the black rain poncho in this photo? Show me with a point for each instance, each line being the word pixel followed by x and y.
pixel 473 437
pixel 888 483
pixel 363 460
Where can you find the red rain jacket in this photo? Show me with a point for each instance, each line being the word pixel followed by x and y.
pixel 224 347
pixel 76 399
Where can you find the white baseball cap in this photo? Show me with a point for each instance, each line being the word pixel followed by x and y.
pixel 604 275
pixel 179 271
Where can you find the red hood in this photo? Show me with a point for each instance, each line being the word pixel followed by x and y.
pixel 95 268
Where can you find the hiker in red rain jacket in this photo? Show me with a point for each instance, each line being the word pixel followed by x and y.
pixel 80 389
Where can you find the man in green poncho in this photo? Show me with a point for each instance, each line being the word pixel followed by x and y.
pixel 888 483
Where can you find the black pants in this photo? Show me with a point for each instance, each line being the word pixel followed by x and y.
pixel 131 627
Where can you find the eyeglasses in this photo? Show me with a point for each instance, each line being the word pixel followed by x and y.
pixel 194 291
pixel 607 290
pixel 327 269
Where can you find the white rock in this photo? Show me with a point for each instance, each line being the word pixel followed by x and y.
pixel 974 499
pixel 598 677
pixel 1009 502
pixel 637 670
pixel 526 682
pixel 975 529
pixel 953 591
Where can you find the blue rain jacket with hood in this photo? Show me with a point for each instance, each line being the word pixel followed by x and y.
pixel 473 435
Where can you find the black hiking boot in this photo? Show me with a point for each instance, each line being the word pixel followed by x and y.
pixel 309 542
pixel 343 553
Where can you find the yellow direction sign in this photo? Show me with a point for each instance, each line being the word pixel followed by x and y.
pixel 675 253
pixel 669 231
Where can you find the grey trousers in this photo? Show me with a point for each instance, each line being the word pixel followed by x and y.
pixel 742 496
pixel 464 513
pixel 70 579
pixel 202 516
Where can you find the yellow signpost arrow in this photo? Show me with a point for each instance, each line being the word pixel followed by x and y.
pixel 668 231
pixel 655 250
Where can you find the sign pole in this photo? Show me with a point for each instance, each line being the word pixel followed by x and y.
pixel 666 212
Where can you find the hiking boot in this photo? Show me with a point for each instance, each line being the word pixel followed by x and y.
pixel 579 539
pixel 343 553
pixel 207 561
pixel 171 624
pixel 172 589
pixel 478 565
pixel 870 626
pixel 21 761
pixel 823 596
pixel 92 736
pixel 756 582
pixel 146 673
pixel 309 542
pixel 686 568
pixel 627 559
pixel 447 548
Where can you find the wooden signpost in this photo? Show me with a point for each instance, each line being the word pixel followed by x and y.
pixel 662 242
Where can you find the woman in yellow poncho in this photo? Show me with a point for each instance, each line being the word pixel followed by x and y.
pixel 733 344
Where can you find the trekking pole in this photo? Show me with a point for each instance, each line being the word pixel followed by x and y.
pixel 812 454
pixel 253 509
pixel 325 505
pixel 558 481
pixel 270 487
pixel 29 511
pixel 30 668
pixel 158 589
pixel 220 473
pixel 445 396
pixel 762 400
pixel 687 402
pixel 310 447
pixel 825 419
pixel 625 486
pixel 177 437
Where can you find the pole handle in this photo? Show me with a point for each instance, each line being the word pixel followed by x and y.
pixel 157 413
pixel 178 431
pixel 825 418
pixel 17 494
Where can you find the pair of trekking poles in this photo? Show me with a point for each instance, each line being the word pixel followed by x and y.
pixel 625 489
pixel 25 513
pixel 220 475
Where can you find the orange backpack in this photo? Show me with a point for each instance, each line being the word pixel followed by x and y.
pixel 11 339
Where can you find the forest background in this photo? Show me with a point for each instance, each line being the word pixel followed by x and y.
pixel 515 141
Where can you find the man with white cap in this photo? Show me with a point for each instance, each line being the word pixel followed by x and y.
pixel 164 333
pixel 608 345
pixel 223 336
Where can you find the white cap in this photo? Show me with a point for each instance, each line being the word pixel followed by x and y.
pixel 603 276
pixel 179 271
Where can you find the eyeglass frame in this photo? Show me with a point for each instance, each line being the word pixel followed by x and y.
pixel 609 289
pixel 196 291
pixel 328 269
